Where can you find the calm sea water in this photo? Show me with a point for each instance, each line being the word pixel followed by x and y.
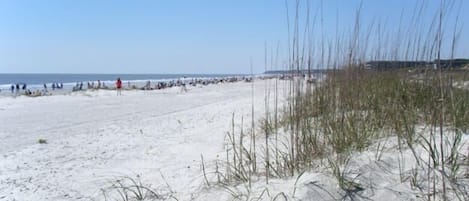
pixel 37 80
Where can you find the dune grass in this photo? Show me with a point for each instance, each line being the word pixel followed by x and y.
pixel 322 125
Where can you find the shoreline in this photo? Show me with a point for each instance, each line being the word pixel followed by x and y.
pixel 39 90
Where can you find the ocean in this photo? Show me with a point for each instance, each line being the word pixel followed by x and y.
pixel 36 81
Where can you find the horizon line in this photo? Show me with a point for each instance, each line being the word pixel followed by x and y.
pixel 75 73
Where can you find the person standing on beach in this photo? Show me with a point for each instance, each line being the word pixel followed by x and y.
pixel 12 88
pixel 118 86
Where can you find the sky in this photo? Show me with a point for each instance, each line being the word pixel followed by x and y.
pixel 168 36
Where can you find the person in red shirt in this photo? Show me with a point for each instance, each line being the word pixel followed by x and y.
pixel 118 86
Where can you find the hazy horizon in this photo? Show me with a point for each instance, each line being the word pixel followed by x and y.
pixel 177 37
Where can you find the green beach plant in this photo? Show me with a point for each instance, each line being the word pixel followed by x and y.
pixel 42 141
pixel 132 189
pixel 353 106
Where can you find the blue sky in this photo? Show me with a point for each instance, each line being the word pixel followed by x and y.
pixel 163 36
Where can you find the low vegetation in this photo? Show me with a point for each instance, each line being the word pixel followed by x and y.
pixel 133 189
pixel 42 141
pixel 322 126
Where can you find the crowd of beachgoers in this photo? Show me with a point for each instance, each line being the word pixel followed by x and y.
pixel 22 89
pixel 53 88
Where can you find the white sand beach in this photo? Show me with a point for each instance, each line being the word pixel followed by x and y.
pixel 94 137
